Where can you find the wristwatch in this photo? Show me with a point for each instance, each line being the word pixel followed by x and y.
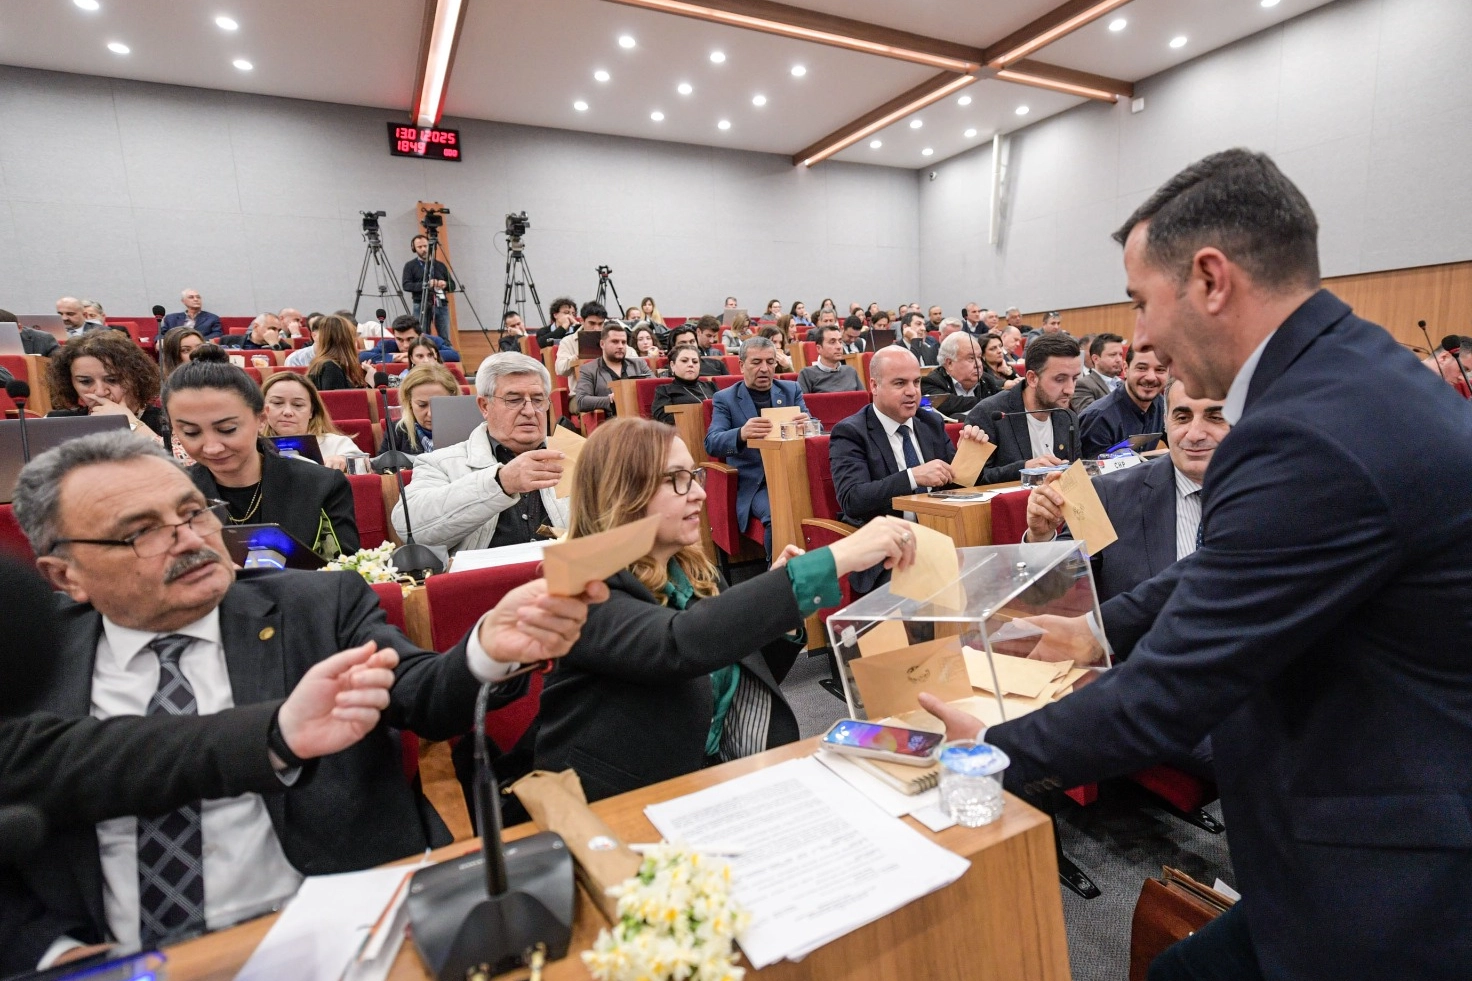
pixel 276 743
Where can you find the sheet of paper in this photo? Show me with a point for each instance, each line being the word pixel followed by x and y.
pixel 818 859
pixel 781 413
pixel 490 558
pixel 1087 520
pixel 886 635
pixel 891 682
pixel 569 566
pixel 935 574
pixel 971 456
pixel 571 443
pixel 319 933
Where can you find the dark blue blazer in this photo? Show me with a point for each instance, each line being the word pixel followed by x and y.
pixel 729 411
pixel 385 349
pixel 206 323
pixel 1141 504
pixel 866 476
pixel 1320 637
pixel 1014 445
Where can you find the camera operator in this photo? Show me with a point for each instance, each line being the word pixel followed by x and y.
pixel 419 270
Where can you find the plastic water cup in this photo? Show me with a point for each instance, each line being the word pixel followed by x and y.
pixel 260 360
pixel 358 463
pixel 971 781
pixel 814 426
pixel 793 430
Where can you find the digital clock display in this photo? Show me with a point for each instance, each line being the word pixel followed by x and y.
pixel 428 142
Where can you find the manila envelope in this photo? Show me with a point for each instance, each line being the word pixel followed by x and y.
pixel 886 635
pixel 935 574
pixel 970 457
pixel 569 566
pixel 781 413
pixel 1015 675
pixel 1087 520
pixel 571 443
pixel 889 683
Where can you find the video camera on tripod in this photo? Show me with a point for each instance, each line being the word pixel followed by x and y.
pixel 371 231
pixel 433 221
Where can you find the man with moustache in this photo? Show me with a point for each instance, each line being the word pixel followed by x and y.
pixel 1136 407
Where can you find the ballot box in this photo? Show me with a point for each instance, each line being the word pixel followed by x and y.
pixel 1003 631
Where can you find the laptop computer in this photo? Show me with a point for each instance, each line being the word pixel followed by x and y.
pixel 268 547
pixel 883 337
pixel 590 345
pixel 455 418
pixel 306 447
pixel 10 342
pixel 42 435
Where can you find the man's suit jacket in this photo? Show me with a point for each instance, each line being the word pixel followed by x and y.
pixel 1319 636
pixel 358 811
pixel 1141 504
pixel 1014 445
pixel 730 410
pixel 205 322
pixel 1090 388
pixel 925 350
pixel 940 388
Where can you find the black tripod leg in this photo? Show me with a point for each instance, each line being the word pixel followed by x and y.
pixel 1070 874
pixel 531 286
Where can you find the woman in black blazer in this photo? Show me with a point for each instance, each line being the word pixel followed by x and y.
pixel 216 412
pixel 674 672
pixel 686 389
pixel 336 365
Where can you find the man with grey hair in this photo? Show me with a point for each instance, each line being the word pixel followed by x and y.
pixel 955 387
pixel 93 316
pixel 264 334
pixel 499 486
pixel 158 624
pixel 195 317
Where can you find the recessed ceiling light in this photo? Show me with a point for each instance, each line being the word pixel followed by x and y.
pixel 927 152
pixel 580 106
pixel 242 64
pixel 724 124
pixel 601 75
pixel 875 144
pixel 625 41
pixel 1022 110
pixel 226 23
pixel 970 133
pixel 758 100
pixel 798 71
pixel 1179 41
pixel 1269 3
pixel 88 4
pixel 118 47
pixel 965 100
pixel 916 123
pixel 1118 24
pixel 717 57
pixel 684 88
pixel 657 116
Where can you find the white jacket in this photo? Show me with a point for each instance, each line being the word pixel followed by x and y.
pixel 455 501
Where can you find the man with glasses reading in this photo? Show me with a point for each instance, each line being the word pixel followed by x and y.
pixel 499 486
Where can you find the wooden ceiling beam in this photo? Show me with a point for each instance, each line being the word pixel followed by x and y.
pixel 1056 23
pixel 927 92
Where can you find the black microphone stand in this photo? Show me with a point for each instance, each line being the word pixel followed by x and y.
pixel 411 558
pixel 20 394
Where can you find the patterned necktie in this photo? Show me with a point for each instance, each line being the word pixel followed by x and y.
pixel 912 459
pixel 1201 524
pixel 171 846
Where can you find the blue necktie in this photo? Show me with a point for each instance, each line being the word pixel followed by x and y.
pixel 912 458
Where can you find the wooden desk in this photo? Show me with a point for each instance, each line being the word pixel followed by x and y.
pixel 625 397
pixel 856 362
pixel 690 424
pixel 786 464
pixel 968 523
pixel 1002 920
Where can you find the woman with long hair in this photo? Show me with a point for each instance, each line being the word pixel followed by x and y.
pixel 675 672
pixel 422 350
pixel 687 387
pixel 643 344
pixel 336 365
pixel 997 373
pixel 176 347
pixel 650 310
pixel 103 373
pixel 799 314
pixel 295 408
pixel 218 413
pixel 777 334
pixel 414 432
pixel 774 310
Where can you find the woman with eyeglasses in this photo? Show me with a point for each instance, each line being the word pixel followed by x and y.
pixel 675 672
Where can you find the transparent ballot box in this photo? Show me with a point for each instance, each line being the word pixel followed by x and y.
pixel 1019 629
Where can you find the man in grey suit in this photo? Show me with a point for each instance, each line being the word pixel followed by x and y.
pixel 1104 358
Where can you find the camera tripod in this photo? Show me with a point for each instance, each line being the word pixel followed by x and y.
pixel 605 286
pixel 519 282
pixel 432 222
pixel 383 274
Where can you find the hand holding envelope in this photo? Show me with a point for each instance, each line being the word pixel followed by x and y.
pixel 571 445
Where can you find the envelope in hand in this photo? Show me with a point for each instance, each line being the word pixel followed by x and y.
pixel 935 574
pixel 890 683
pixel 971 456
pixel 569 566
pixel 570 443
pixel 1084 512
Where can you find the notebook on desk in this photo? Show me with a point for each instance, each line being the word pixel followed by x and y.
pixel 910 780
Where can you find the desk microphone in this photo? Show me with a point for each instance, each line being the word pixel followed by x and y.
pixel 410 558
pixel 1452 344
pixel 19 392
pixel 159 313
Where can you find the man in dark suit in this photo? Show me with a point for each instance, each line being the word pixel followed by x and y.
pixel 1104 357
pixel 195 316
pixel 955 387
pixel 914 339
pixel 736 418
pixel 889 448
pixel 1135 407
pixel 1319 633
pixel 1029 435
pixel 156 624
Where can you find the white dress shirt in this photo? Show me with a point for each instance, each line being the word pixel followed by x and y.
pixel 1041 434
pixel 301 357
pixel 1188 514
pixel 896 444
pixel 1236 400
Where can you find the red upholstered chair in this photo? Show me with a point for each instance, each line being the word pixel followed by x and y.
pixel 1009 518
pixel 235 331
pixel 953 430
pixel 590 420
pixel 143 336
pixel 809 352
pixel 13 541
pixel 457 371
pixel 365 432
pixel 834 407
pixel 391 600
pixel 297 343
pixel 295 369
pixel 673 322
pixel 456 601
pixel 368 510
pixel 254 372
pixel 720 502
pixel 788 376
pixel 723 381
pixel 864 359
pixel 733 364
pixel 349 403
pixel 236 325
pixel 644 389
pixel 825 526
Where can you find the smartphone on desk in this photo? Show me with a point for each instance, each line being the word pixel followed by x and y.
pixel 912 747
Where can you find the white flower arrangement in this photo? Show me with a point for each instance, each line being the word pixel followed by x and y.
pixel 373 564
pixel 677 922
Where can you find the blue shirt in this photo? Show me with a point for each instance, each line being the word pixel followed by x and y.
pixel 385 350
pixel 1116 417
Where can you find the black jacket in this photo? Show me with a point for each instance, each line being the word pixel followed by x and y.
pixel 296 495
pixel 1014 445
pixel 33 340
pixel 631 703
pixel 331 378
pixel 413 278
pixel 679 392
pixel 941 390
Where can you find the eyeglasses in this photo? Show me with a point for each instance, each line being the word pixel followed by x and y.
pixel 158 539
pixel 681 480
pixel 516 402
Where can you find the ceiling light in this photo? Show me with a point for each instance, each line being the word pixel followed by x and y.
pixel 716 57
pixel 625 41
pixel 601 75
pixel 965 100
pixel 88 4
pixel 970 133
pixel 429 101
pixel 1057 85
pixel 916 123
pixel 1118 24
pixel 1022 110
pixel 226 23
pixel 684 88
pixel 1269 3
pixel 758 100
pixel 1179 41
pixel 657 116
pixel 875 144
pixel 724 124
pixel 798 71
pixel 118 47
pixel 580 106
pixel 242 64
pixel 927 151
pixel 1027 40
